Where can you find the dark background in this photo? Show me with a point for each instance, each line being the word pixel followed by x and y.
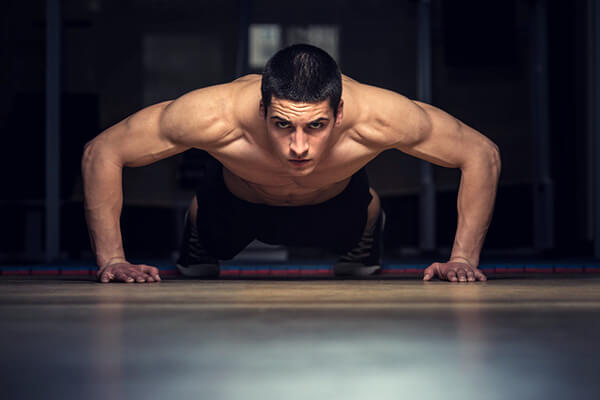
pixel 120 56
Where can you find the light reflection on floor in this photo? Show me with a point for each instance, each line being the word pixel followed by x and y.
pixel 388 339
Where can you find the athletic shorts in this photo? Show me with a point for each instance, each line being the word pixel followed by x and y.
pixel 227 224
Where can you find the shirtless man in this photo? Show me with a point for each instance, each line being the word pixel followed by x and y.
pixel 292 145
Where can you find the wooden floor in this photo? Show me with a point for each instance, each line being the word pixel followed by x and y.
pixel 522 338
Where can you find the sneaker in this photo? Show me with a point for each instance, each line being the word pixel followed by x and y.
pixel 194 261
pixel 365 258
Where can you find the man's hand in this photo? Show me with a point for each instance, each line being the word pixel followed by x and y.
pixel 454 272
pixel 129 273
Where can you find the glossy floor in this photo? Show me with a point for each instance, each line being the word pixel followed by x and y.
pixel 525 338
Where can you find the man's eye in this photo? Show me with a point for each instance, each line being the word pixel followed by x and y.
pixel 316 125
pixel 283 125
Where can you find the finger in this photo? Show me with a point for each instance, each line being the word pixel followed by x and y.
pixel 152 271
pixel 428 273
pixel 139 278
pixel 479 275
pixel 451 276
pixel 149 269
pixel 147 277
pixel 470 276
pixel 124 277
pixel 104 277
pixel 462 275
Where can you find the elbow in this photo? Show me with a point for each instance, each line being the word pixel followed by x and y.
pixel 494 160
pixel 95 153
pixel 495 156
pixel 486 159
pixel 87 156
pixel 90 152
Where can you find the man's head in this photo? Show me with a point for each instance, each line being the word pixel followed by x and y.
pixel 301 101
pixel 304 74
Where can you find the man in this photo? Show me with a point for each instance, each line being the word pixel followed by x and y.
pixel 292 145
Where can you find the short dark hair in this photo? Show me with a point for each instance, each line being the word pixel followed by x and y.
pixel 302 73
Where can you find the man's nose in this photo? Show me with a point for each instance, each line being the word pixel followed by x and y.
pixel 299 144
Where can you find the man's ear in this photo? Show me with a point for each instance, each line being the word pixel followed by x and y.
pixel 340 113
pixel 261 109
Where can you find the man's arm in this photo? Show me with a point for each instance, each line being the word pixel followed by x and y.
pixel 152 134
pixel 433 135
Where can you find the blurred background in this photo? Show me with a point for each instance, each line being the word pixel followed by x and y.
pixel 522 72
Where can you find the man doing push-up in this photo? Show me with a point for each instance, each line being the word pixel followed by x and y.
pixel 292 145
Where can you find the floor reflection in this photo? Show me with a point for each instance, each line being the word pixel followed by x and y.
pixel 350 340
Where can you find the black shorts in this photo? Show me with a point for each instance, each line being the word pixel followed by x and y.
pixel 227 224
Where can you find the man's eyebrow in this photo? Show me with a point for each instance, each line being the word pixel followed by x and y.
pixel 311 122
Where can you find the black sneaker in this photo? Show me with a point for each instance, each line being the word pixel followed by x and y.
pixel 365 258
pixel 194 261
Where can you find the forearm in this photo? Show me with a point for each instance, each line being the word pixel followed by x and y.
pixel 476 196
pixel 102 180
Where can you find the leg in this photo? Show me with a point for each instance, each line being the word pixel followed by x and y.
pixel 373 210
pixel 365 258
pixel 215 229
pixel 194 260
pixel 193 210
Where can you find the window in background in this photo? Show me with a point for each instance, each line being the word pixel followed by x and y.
pixel 323 36
pixel 266 39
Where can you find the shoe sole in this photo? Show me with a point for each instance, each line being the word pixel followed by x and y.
pixel 199 270
pixel 349 269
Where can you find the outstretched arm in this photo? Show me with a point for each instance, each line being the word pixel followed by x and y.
pixel 152 134
pixel 137 140
pixel 457 145
pixel 433 135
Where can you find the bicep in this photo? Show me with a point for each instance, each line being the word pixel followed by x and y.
pixel 165 129
pixel 138 139
pixel 444 140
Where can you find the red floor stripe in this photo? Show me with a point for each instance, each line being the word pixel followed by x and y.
pixel 402 271
pixel 539 270
pixel 279 272
pixel 22 272
pixel 77 272
pixel 168 272
pixel 511 269
pixel 45 272
pixel 566 270
pixel 316 271
pixel 263 271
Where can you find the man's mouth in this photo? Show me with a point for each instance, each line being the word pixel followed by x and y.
pixel 298 163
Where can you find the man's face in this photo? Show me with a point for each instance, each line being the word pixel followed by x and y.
pixel 299 132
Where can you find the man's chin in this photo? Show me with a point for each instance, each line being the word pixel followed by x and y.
pixel 300 168
pixel 301 172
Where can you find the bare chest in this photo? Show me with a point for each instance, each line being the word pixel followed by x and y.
pixel 252 174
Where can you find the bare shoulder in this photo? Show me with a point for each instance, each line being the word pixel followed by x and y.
pixel 384 118
pixel 205 117
pixel 247 97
